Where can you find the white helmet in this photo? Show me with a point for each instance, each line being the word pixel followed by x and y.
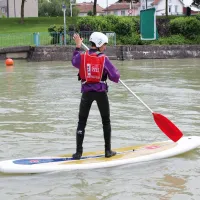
pixel 98 38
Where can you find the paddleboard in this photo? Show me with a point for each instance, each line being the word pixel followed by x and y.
pixel 92 160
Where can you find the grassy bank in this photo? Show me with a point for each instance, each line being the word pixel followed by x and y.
pixel 40 24
pixel 12 33
pixel 172 30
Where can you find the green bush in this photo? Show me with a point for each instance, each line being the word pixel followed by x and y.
pixel 172 40
pixel 196 40
pixel 186 26
pixel 133 39
pixel 124 26
pixel 84 24
pixel 3 16
pixel 103 24
pixel 56 32
pixel 174 30
pixel 198 16
pixel 136 24
pixel 120 25
pixel 93 23
pixel 163 27
pixel 90 13
pixel 112 19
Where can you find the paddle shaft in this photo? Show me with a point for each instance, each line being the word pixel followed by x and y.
pixel 135 95
pixel 127 88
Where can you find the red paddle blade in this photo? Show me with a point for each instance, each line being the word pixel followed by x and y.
pixel 167 127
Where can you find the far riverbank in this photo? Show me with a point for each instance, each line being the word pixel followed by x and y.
pixel 119 52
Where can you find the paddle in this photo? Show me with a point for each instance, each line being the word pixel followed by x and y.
pixel 165 125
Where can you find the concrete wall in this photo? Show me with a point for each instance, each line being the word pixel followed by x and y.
pixel 158 52
pixel 15 52
pixel 64 53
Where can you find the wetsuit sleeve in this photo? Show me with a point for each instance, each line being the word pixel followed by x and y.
pixel 76 58
pixel 112 71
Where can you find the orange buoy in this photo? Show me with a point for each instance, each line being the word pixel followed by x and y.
pixel 9 62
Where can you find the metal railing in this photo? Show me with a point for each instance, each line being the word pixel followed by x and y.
pixel 16 39
pixel 46 38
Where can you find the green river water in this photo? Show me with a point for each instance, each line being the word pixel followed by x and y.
pixel 38 116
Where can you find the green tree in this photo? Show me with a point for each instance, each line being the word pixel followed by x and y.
pixel 95 7
pixel 53 8
pixel 166 8
pixel 22 11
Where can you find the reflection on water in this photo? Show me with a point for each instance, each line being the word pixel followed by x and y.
pixel 38 116
pixel 172 185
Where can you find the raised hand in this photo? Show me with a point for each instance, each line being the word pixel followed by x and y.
pixel 78 40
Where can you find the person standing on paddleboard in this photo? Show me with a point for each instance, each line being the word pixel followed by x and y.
pixel 94 69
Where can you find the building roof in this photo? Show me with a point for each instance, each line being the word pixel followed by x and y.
pixel 156 2
pixel 85 7
pixel 120 6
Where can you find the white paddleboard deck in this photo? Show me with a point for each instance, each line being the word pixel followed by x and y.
pixel 92 160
